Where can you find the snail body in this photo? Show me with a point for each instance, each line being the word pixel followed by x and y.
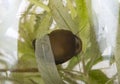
pixel 64 45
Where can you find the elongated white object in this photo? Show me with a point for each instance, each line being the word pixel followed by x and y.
pixel 46 62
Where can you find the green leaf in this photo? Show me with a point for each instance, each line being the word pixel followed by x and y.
pixel 73 62
pixel 117 53
pixel 42 25
pixel 69 80
pixel 26 59
pixel 95 54
pixel 31 28
pixel 83 21
pixel 25 48
pixel 98 77
pixel 73 76
pixel 39 3
pixel 61 16
pixel 27 78
pixel 82 12
pixel 72 8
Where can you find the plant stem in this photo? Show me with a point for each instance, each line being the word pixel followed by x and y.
pixel 84 68
pixel 83 63
pixel 20 70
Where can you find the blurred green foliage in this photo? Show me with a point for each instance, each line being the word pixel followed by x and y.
pixel 72 16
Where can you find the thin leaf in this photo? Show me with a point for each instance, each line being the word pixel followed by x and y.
pixel 25 78
pixel 61 16
pixel 39 3
pixel 43 25
pixel 73 76
pixel 73 62
pixel 83 21
pixel 69 80
pixel 94 50
pixel 72 8
pixel 98 77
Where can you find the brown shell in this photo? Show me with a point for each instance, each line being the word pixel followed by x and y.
pixel 64 45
